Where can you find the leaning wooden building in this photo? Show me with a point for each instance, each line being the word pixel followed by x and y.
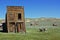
pixel 15 20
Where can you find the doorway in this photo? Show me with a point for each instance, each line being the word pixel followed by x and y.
pixel 19 27
pixel 11 27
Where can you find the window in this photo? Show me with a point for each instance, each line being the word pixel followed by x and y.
pixel 19 16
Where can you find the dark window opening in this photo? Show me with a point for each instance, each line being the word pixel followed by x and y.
pixel 19 16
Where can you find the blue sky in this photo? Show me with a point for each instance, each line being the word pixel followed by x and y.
pixel 33 8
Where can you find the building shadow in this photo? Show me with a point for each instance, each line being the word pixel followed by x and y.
pixel 3 28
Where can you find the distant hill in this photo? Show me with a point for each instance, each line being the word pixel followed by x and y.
pixel 43 21
pixel 1 20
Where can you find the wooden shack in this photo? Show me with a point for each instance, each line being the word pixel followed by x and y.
pixel 15 19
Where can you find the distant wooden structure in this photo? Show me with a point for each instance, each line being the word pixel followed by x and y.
pixel 15 20
pixel 34 23
pixel 42 29
pixel 54 24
